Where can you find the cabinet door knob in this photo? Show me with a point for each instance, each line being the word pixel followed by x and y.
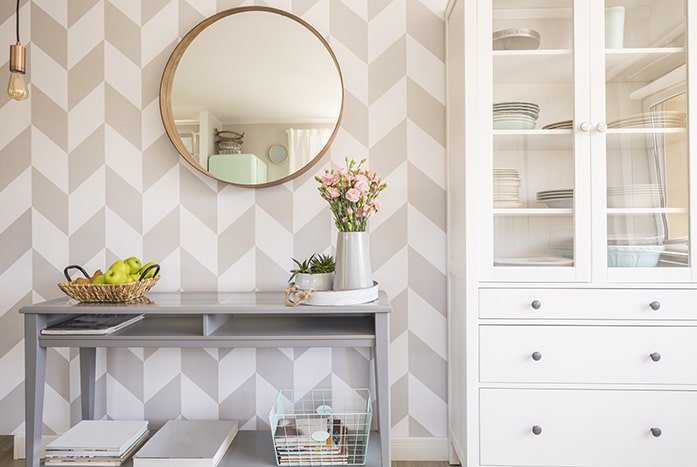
pixel 536 304
pixel 655 305
pixel 656 432
pixel 537 356
pixel 537 430
pixel 585 127
pixel 655 356
pixel 601 127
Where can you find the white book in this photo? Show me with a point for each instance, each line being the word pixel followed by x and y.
pixel 187 443
pixel 98 437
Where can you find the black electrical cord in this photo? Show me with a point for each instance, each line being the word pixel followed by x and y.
pixel 17 19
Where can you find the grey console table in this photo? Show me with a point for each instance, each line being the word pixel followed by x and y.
pixel 255 319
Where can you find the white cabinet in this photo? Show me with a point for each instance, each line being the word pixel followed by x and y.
pixel 572 290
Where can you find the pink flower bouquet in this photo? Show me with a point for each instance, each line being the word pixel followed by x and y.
pixel 352 195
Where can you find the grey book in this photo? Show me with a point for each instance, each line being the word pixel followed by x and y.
pixel 190 443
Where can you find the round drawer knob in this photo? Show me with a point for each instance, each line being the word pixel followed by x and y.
pixel 537 430
pixel 655 356
pixel 655 305
pixel 656 432
pixel 536 304
pixel 537 356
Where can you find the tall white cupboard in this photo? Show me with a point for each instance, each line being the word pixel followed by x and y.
pixel 572 287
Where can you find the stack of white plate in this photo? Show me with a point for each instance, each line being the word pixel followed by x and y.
pixel 562 248
pixel 563 125
pixel 660 119
pixel 516 39
pixel 556 198
pixel 635 196
pixel 506 188
pixel 515 115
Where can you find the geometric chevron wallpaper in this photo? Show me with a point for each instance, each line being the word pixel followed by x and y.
pixel 88 175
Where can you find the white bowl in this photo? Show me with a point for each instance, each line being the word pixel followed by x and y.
pixel 564 203
pixel 633 256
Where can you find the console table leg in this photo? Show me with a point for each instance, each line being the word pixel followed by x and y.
pixel 382 383
pixel 34 385
pixel 88 364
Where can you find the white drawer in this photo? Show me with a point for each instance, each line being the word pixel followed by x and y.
pixel 588 354
pixel 588 428
pixel 588 304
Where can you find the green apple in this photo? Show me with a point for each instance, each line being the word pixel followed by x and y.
pixel 134 263
pixel 150 273
pixel 133 278
pixel 120 266
pixel 100 279
pixel 115 276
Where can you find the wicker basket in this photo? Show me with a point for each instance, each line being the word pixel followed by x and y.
pixel 106 293
pixel 228 142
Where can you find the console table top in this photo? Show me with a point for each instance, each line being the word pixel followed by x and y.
pixel 205 303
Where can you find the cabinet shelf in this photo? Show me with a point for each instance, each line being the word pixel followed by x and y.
pixel 544 140
pixel 645 131
pixel 641 65
pixel 255 449
pixel 533 66
pixel 637 65
pixel 628 211
pixel 534 140
pixel 533 212
pixel 638 138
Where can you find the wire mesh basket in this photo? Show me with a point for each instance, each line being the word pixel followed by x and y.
pixel 321 427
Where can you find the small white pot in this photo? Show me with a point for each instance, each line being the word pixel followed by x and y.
pixel 322 281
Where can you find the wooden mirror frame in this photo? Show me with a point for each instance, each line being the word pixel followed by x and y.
pixel 167 81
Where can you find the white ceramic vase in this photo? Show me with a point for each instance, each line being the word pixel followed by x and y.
pixel 353 269
pixel 321 281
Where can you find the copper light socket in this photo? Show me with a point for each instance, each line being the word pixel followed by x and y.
pixel 18 58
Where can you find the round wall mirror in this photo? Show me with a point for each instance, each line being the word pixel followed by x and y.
pixel 246 80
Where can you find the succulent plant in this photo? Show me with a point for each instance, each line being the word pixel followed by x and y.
pixel 302 267
pixel 315 264
pixel 322 264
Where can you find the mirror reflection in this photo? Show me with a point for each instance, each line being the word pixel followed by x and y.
pixel 244 82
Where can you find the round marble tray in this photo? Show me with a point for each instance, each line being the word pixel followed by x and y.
pixel 342 297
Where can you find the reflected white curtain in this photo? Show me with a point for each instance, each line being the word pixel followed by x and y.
pixel 304 144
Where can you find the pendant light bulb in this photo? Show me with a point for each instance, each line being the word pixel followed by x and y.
pixel 17 86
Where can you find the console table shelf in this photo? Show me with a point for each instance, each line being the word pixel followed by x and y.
pixel 255 449
pixel 205 320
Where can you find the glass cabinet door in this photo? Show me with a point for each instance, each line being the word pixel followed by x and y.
pixel 538 171
pixel 646 145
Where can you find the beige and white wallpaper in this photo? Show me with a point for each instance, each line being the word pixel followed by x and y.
pixel 88 175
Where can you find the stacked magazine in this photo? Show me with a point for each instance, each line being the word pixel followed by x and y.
pixel 312 440
pixel 97 443
pixel 92 324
